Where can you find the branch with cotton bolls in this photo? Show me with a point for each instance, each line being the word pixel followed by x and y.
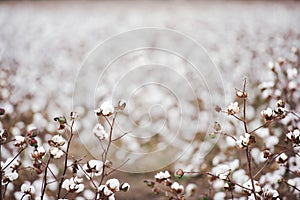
pixel 97 172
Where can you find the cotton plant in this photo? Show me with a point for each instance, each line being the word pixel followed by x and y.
pixel 268 154
pixel 255 187
pixel 59 171
pixel 165 185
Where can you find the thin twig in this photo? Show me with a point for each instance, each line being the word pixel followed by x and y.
pixel 238 118
pixel 120 136
pixel 249 159
pixel 44 184
pixel 14 158
pixel 115 169
pixel 1 170
pixel 244 110
pixel 66 159
pixel 295 114
pixel 269 161
pixel 250 172
pixel 105 153
pixel 228 135
pixel 291 185
pixel 87 175
pixel 261 126
pixel 5 188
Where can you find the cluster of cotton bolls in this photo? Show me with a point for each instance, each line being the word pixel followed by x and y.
pixel 259 158
pixel 31 106
pixel 163 184
pixel 58 54
pixel 65 178
pixel 261 161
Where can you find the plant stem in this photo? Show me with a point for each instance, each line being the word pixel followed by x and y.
pixel 250 171
pixel 1 169
pixel 45 179
pixel 104 157
pixel 244 110
pixel 66 160
pixel 249 160
pixel 14 158
pixel 5 188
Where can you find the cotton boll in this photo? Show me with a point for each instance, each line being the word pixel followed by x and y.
pixel 53 186
pixel 271 141
pixel 263 132
pixel 218 184
pixel 88 194
pixel 220 195
pixel 233 165
pixel 230 142
pixel 240 176
pixel 258 155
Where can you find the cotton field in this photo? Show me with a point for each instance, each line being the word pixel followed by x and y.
pixel 150 99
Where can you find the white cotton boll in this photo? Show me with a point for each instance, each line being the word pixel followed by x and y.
pixel 266 84
pixel 190 189
pixel 250 112
pixel 30 127
pixel 220 195
pixel 16 131
pixel 88 194
pixel 20 125
pixel 248 185
pixel 19 140
pixel 177 187
pixel 291 182
pixel 233 108
pixel 27 188
pixel 271 142
pixel 162 175
pixel 111 197
pixel 218 184
pixel 50 127
pixel 113 184
pixel 19 195
pixel 37 184
pixel 240 176
pixel 294 182
pixel 53 186
pixel 234 164
pixel 9 109
pixel 273 177
pixel 222 171
pixel 266 93
pixel 230 141
pixel 277 93
pixel 258 155
pixel 292 85
pixel 263 132
pixel 39 120
pixel 292 73
pixel 294 163
pixel 5 93
pixel 282 158
pixel 100 132
pixel 205 147
pixel 218 159
pixel 106 108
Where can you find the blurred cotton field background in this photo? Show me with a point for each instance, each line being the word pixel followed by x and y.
pixel 54 58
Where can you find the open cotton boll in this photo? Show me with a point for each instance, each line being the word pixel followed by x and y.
pixel 271 141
